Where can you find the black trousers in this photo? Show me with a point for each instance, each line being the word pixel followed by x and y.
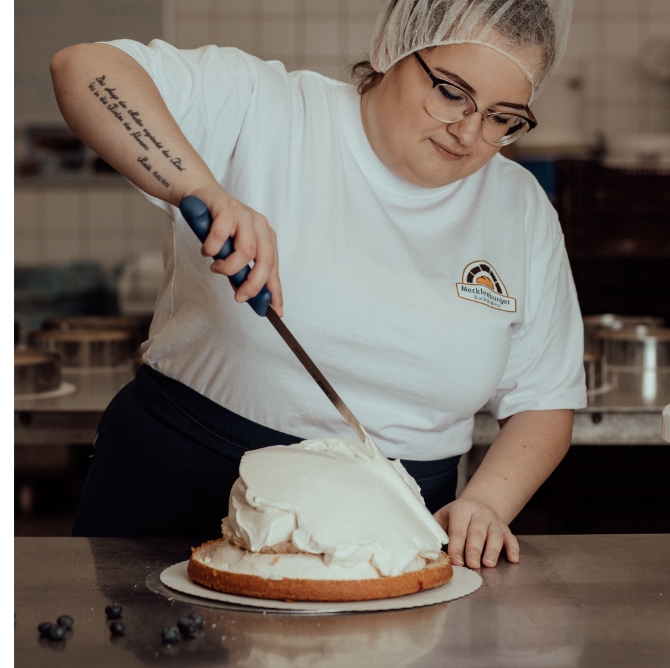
pixel 166 458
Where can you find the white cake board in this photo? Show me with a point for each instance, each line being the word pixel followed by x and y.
pixel 463 582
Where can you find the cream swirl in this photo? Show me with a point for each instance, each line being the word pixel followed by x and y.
pixel 337 498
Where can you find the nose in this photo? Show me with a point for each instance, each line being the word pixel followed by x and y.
pixel 467 130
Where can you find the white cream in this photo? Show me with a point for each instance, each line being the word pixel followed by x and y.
pixel 337 498
pixel 227 557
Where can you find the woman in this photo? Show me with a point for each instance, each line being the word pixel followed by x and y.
pixel 425 274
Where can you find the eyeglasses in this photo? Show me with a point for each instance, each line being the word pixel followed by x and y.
pixel 448 103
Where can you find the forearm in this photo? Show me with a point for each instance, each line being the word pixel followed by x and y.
pixel 113 106
pixel 528 448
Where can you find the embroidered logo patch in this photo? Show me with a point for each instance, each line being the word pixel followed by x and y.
pixel 482 284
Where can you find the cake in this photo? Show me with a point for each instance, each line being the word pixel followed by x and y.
pixel 323 520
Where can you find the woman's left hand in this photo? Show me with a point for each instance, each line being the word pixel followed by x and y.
pixel 473 529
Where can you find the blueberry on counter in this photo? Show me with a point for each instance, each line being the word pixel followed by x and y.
pixel 66 621
pixel 114 611
pixel 197 619
pixel 170 635
pixel 187 627
pixel 43 629
pixel 117 628
pixel 56 632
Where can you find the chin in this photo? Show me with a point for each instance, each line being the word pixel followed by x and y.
pixel 441 175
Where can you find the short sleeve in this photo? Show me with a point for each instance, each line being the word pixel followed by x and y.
pixel 207 91
pixel 545 368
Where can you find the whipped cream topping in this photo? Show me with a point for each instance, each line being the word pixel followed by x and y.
pixel 341 499
pixel 227 557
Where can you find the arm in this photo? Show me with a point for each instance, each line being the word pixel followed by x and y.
pixel 528 448
pixel 113 105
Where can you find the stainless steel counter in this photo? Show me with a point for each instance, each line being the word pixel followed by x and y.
pixel 618 417
pixel 572 601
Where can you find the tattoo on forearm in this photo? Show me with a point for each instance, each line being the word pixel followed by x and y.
pixel 144 161
pixel 131 120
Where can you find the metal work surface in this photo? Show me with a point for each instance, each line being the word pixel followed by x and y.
pixel 614 418
pixel 572 601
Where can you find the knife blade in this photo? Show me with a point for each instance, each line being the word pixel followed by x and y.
pixel 198 218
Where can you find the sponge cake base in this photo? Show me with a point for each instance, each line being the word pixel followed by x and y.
pixel 434 574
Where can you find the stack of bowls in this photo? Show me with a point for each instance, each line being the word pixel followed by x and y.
pixel 636 362
pixel 597 381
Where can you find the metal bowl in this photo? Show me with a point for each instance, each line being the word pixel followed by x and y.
pixel 637 361
pixel 86 349
pixel 593 368
pixel 35 372
pixel 594 324
pixel 137 326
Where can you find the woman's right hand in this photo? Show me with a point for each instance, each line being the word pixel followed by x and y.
pixel 253 239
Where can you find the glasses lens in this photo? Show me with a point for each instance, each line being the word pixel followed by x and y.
pixel 449 104
pixel 501 129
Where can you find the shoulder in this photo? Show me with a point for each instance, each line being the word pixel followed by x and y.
pixel 517 190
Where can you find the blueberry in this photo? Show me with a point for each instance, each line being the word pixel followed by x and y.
pixel 56 632
pixel 43 628
pixel 117 628
pixel 187 627
pixel 197 620
pixel 114 611
pixel 66 621
pixel 170 634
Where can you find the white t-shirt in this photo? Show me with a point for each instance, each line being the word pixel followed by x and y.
pixel 419 305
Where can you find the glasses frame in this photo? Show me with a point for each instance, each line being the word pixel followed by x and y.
pixel 530 119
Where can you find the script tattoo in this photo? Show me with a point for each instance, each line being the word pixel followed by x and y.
pixel 131 120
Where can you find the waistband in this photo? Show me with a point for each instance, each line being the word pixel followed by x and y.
pixel 219 429
pixel 200 418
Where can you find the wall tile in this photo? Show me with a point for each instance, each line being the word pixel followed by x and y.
pixel 622 82
pixel 25 211
pixel 585 8
pixel 146 218
pixel 322 38
pixel 25 251
pixel 582 40
pixel 62 210
pixel 190 7
pixel 60 247
pixel 193 33
pixel 369 7
pixel 323 7
pixel 278 6
pixel 359 37
pixel 236 32
pixel 105 212
pixel 621 8
pixel 329 69
pixel 622 39
pixel 620 119
pixel 278 39
pixel 109 252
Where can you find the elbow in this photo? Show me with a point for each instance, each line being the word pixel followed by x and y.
pixel 63 60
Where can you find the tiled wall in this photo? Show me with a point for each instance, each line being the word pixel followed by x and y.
pixel 104 224
pixel 321 35
pixel 606 40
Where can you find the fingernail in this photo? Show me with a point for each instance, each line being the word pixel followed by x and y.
pixel 490 561
pixel 242 299
pixel 458 561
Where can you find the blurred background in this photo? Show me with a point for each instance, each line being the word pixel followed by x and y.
pixel 88 259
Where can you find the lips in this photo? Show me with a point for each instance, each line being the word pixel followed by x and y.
pixel 445 152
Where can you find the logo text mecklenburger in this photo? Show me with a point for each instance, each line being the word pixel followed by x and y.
pixel 480 293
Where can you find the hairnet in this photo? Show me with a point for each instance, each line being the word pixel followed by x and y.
pixel 532 33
